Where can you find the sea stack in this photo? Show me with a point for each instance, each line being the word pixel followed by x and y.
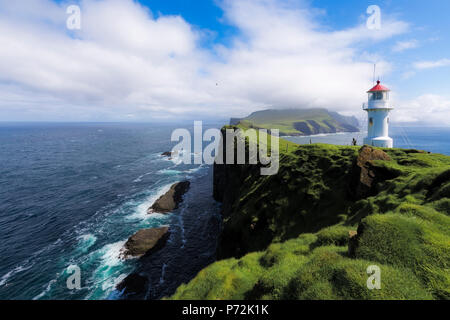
pixel 171 199
pixel 145 241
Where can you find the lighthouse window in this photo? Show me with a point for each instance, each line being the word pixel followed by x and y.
pixel 371 121
pixel 378 95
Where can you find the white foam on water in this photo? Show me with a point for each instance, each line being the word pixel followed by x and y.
pixel 120 278
pixel 170 172
pixel 47 289
pixel 11 273
pixel 86 241
pixel 111 254
pixel 177 159
pixel 325 134
pixel 27 264
pixel 112 282
pixel 140 212
pixel 193 170
pixel 320 135
pixel 139 179
pixel 110 262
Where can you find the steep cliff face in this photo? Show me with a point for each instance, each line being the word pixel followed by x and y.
pixel 311 191
pixel 311 231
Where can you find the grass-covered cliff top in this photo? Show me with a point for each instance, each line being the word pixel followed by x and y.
pixel 300 121
pixel 287 236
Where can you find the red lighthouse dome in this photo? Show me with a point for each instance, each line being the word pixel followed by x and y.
pixel 379 87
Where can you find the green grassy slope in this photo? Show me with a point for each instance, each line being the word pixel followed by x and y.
pixel 297 269
pixel 300 121
pixel 287 236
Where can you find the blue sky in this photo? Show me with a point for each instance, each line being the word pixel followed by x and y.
pixel 430 27
pixel 177 59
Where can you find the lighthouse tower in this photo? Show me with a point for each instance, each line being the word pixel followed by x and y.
pixel 378 109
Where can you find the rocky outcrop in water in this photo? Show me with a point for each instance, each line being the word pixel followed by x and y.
pixel 145 241
pixel 171 199
pixel 133 284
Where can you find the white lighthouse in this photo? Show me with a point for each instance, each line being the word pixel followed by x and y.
pixel 378 109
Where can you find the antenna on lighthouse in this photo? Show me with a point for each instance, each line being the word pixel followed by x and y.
pixel 374 70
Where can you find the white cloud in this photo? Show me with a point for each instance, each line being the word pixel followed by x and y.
pixel 126 63
pixel 405 45
pixel 428 108
pixel 432 64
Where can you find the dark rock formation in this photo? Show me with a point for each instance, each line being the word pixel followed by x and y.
pixel 227 179
pixel 366 175
pixel 166 154
pixel 352 242
pixel 171 199
pixel 303 128
pixel 331 126
pixel 316 127
pixel 133 285
pixel 226 185
pixel 349 122
pixel 145 241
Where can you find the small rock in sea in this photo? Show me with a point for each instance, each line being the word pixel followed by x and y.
pixel 171 199
pixel 169 154
pixel 133 284
pixel 144 242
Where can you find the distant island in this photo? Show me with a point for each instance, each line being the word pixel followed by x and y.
pixel 299 122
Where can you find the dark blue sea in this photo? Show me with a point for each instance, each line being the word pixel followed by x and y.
pixel 72 194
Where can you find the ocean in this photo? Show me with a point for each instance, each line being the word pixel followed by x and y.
pixel 72 194
pixel 432 139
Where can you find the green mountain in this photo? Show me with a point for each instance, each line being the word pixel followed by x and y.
pixel 312 230
pixel 299 122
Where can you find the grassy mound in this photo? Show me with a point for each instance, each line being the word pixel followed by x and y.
pixel 293 270
pixel 418 242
